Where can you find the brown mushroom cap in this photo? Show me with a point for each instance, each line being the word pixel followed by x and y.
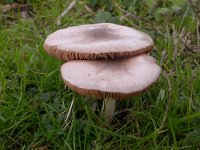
pixel 111 78
pixel 97 41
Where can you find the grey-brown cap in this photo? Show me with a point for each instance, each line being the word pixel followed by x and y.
pixel 97 41
pixel 111 78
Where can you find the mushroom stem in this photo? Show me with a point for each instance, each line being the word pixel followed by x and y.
pixel 109 105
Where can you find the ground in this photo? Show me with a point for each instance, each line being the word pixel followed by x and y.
pixel 34 101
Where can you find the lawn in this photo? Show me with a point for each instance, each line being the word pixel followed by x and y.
pixel 34 102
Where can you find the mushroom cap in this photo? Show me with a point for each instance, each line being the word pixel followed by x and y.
pixel 111 78
pixel 97 41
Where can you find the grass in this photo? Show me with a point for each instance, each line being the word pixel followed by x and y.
pixel 34 101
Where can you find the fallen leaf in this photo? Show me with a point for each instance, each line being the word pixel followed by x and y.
pixel 6 8
pixel 24 9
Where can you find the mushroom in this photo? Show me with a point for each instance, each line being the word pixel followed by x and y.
pixel 97 41
pixel 111 79
pixel 106 61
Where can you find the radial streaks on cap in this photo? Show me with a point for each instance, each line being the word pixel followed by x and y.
pixel 97 41
pixel 106 78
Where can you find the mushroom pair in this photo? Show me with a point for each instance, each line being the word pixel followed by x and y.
pixel 104 61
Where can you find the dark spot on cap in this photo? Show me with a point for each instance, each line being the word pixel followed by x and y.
pixel 102 34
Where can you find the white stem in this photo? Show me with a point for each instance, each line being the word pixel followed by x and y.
pixel 109 105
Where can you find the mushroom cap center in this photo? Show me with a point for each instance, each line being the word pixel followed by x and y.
pixel 102 34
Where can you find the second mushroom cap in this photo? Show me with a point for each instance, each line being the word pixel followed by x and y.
pixel 111 79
